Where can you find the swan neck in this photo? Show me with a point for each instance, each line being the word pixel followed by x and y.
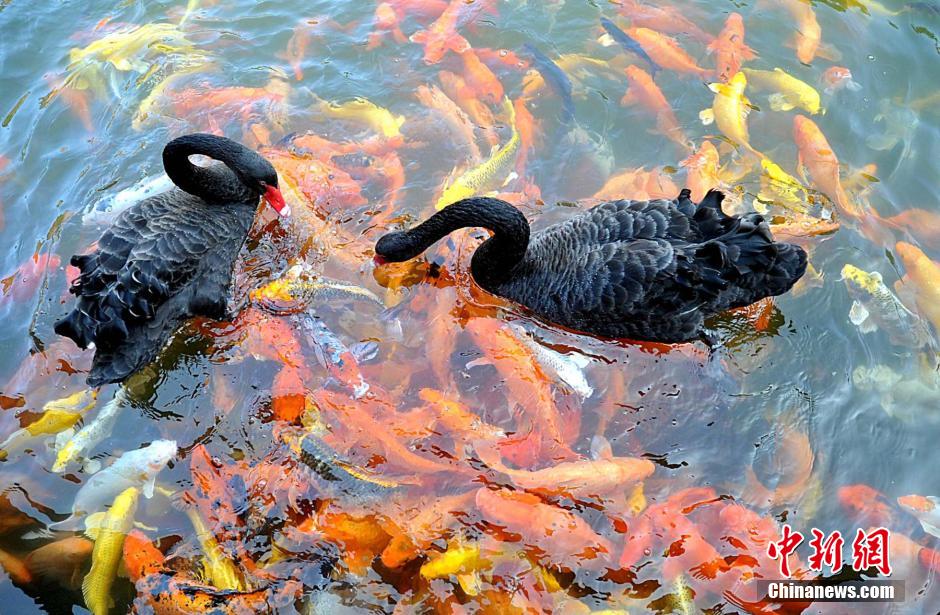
pixel 206 183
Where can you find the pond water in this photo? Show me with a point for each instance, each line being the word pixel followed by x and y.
pixel 334 453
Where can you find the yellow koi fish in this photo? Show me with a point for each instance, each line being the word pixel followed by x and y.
pixel 729 111
pixel 108 535
pixel 489 175
pixel 300 286
pixel 361 110
pixel 218 569
pixel 780 188
pixel 126 48
pixel 58 416
pixel 788 91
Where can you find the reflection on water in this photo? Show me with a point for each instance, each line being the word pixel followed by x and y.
pixel 392 438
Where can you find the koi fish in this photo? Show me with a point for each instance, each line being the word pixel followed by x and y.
pixel 479 112
pixel 556 78
pixel 57 416
pixel 874 307
pixel 628 43
pixel 91 434
pixel 217 568
pixel 61 562
pixel 20 285
pixel 459 561
pixel 387 22
pixel 421 526
pixel 525 381
pixel 127 47
pixel 564 536
pixel 587 478
pixel 299 287
pixel 666 52
pixel 837 78
pixel 568 367
pixel 926 509
pixel 867 505
pixel 729 48
pixel 442 35
pixel 808 32
pixel 490 174
pixel 485 85
pixel 333 354
pixel 644 91
pixel 297 46
pixel 701 170
pixel 789 92
pixel 135 469
pixel 662 18
pixel 461 128
pixel 638 184
pixel 106 556
pixel 729 111
pixel 816 156
pixel 780 188
pixel 924 275
pixel 15 568
pixel 366 112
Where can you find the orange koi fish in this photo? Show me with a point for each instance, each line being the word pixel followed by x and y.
pixel 457 90
pixel 565 537
pixel 638 184
pixel 22 284
pixel 644 91
pixel 701 168
pixel 867 505
pixel 924 275
pixel 360 538
pixel 758 314
pixel 836 78
pixel 420 525
pixel 662 18
pixel 442 35
pixel 793 461
pixel 464 424
pixel 78 101
pixel 666 52
pixel 808 32
pixel 481 80
pixel 297 47
pixel 387 22
pixel 729 48
pixel 502 58
pixel 526 383
pixel 591 477
pixel 921 224
pixel 61 562
pixel 14 567
pixel 816 156
pixel 528 133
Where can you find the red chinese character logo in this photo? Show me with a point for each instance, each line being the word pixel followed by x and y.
pixel 828 552
pixel 787 545
pixel 871 550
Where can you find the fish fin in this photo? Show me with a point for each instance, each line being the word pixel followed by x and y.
pixel 852 85
pixel 717 88
pixel 145 527
pixel 629 98
pixel 91 466
pixel 930 528
pixel 149 486
pixel 858 314
pixel 478 363
pixel 600 448
pixel 779 102
pixel 93 524
pixel 707 116
pixel 62 438
pixel 469 583
pixel 828 52
pixel 42 533
pixel 420 37
pixel 69 524
pixel 606 40
pixel 581 360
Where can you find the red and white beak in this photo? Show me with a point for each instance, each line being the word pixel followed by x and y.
pixel 276 200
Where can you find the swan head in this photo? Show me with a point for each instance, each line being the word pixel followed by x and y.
pixel 259 175
pixel 395 247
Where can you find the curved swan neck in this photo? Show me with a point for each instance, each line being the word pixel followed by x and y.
pixel 207 183
pixel 493 260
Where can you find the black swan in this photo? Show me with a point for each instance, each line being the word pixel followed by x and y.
pixel 642 270
pixel 168 257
